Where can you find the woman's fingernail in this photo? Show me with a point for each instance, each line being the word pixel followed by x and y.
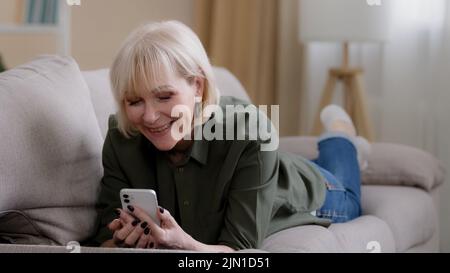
pixel 144 225
pixel 130 208
pixel 152 245
pixel 135 222
pixel 117 211
pixel 146 231
pixel 161 210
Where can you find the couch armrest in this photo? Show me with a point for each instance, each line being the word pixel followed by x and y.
pixel 397 164
pixel 389 164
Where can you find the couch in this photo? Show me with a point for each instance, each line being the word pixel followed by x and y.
pixel 54 119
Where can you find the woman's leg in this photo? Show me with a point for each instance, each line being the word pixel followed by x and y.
pixel 338 163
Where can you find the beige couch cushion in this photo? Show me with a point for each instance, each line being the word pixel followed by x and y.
pixel 409 212
pixel 228 84
pixel 397 164
pixel 309 238
pixel 360 234
pixel 101 95
pixel 50 164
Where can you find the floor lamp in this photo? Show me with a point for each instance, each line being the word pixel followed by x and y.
pixel 345 22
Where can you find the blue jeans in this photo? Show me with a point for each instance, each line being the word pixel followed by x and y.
pixel 338 163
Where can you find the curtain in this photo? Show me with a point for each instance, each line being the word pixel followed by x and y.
pixel 416 86
pixel 241 35
pixel 407 82
pixel 246 37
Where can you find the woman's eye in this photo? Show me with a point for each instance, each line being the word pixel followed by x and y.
pixel 163 98
pixel 134 102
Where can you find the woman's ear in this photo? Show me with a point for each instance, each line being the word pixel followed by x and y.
pixel 199 86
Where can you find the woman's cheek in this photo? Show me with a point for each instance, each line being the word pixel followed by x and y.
pixel 171 110
pixel 134 113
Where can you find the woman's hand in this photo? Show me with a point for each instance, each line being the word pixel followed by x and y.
pixel 127 231
pixel 141 231
pixel 168 235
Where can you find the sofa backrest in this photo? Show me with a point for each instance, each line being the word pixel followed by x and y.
pixel 101 96
pixel 50 153
pixel 104 103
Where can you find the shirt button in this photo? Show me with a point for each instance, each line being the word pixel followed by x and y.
pixel 186 203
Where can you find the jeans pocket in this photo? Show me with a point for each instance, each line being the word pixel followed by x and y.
pixel 334 207
pixel 334 186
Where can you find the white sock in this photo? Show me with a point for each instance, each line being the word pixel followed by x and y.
pixel 332 113
pixel 363 147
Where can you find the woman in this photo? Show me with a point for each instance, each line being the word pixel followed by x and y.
pixel 214 195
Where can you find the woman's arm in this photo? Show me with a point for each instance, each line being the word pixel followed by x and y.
pixel 171 235
pixel 198 246
pixel 251 196
pixel 108 243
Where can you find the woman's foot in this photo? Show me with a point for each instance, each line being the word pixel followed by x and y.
pixel 363 147
pixel 335 119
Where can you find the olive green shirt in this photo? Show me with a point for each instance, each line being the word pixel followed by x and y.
pixel 225 192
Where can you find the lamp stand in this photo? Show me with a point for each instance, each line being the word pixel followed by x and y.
pixel 354 97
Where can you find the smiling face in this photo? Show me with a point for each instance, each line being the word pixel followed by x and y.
pixel 149 109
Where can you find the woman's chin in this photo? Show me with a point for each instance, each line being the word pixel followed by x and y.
pixel 164 146
pixel 162 141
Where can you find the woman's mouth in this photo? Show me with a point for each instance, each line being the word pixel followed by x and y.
pixel 159 131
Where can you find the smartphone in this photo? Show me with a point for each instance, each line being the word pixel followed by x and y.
pixel 143 198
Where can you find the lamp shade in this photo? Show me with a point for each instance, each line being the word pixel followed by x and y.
pixel 343 20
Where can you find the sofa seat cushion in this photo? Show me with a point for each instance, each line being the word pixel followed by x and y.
pixel 50 164
pixel 308 238
pixel 354 236
pixel 409 212
pixel 364 234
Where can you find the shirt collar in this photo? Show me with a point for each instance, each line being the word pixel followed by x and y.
pixel 199 151
pixel 200 148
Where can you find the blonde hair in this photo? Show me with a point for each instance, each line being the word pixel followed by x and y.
pixel 152 52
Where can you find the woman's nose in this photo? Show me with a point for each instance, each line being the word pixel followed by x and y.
pixel 151 114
